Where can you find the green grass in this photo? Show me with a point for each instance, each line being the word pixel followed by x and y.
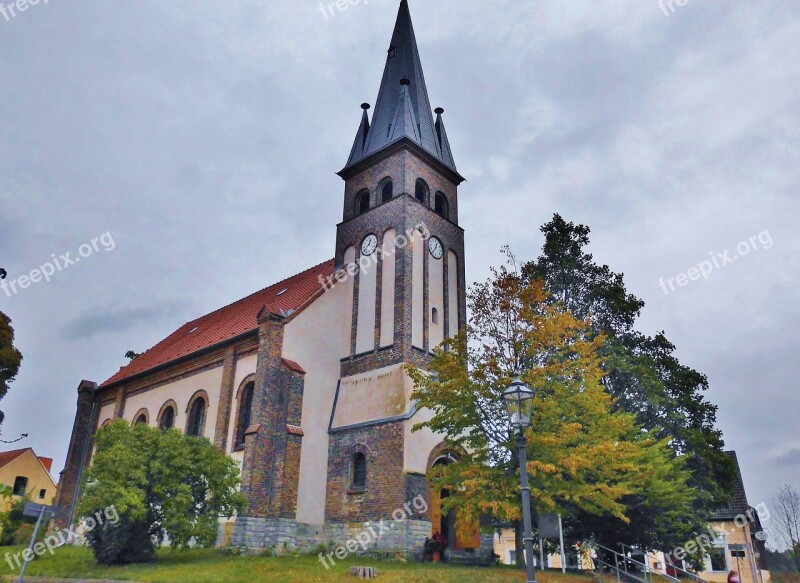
pixel 212 566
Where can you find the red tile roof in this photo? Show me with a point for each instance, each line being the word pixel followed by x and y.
pixel 7 457
pixel 288 296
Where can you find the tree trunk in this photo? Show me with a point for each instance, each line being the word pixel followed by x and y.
pixel 519 546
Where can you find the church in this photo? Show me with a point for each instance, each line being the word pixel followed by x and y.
pixel 303 382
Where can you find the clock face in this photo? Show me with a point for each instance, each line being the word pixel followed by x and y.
pixel 369 245
pixel 435 247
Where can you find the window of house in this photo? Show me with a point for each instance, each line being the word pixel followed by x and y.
pixel 441 206
pixel 167 418
pixel 717 559
pixel 421 191
pixel 245 412
pixel 20 485
pixel 359 471
pixel 141 419
pixel 197 418
pixel 42 493
pixel 387 191
pixel 362 202
pixel 434 316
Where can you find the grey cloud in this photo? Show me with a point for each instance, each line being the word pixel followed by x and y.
pixel 115 320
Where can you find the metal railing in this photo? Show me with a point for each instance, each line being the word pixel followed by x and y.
pixel 682 573
pixel 626 567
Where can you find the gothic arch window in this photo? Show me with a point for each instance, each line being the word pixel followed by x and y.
pixel 358 471
pixel 245 415
pixel 421 191
pixel 197 410
pixel 387 190
pixel 166 417
pixel 441 206
pixel 362 202
pixel 142 417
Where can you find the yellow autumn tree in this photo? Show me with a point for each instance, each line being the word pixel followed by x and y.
pixel 583 453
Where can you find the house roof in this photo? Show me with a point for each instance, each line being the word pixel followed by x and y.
pixel 288 296
pixel 6 457
pixel 738 505
pixel 403 109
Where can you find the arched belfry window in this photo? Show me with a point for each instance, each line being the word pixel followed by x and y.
pixel 245 412
pixel 421 191
pixel 359 471
pixel 387 191
pixel 441 206
pixel 362 202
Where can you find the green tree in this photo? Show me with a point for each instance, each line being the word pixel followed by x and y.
pixel 645 378
pixel 163 485
pixel 584 456
pixel 10 357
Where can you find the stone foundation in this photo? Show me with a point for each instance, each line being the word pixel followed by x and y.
pixel 284 536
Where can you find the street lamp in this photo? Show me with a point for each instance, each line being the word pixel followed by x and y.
pixel 518 400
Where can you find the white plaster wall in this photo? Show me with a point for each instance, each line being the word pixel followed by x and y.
pixel 106 413
pixel 367 296
pixel 372 396
pixel 180 391
pixel 244 367
pixel 346 287
pixel 417 292
pixel 387 288
pixel 314 340
pixel 436 300
pixel 452 291
pixel 418 444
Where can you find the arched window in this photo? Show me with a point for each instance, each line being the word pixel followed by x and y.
pixel 245 412
pixel 434 316
pixel 167 418
pixel 142 417
pixel 442 207
pixel 197 417
pixel 362 202
pixel 421 191
pixel 387 191
pixel 359 471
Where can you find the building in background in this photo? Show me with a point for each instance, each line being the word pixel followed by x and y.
pixel 28 475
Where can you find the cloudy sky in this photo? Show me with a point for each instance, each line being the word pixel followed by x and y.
pixel 203 136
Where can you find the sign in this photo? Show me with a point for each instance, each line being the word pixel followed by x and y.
pixel 548 525
pixel 34 510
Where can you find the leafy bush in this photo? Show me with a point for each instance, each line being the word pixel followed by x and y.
pixel 162 485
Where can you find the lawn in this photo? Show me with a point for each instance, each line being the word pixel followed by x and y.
pixel 212 566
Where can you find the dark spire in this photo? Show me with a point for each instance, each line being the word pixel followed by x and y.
pixel 357 153
pixel 403 98
pixel 444 143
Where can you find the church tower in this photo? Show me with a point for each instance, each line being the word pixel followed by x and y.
pixel 400 252
pixel 400 220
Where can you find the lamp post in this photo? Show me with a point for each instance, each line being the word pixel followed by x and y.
pixel 518 400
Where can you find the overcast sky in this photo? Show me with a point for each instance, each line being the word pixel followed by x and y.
pixel 204 137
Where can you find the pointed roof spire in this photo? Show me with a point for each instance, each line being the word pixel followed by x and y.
pixel 406 102
pixel 405 122
pixel 444 143
pixel 357 152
